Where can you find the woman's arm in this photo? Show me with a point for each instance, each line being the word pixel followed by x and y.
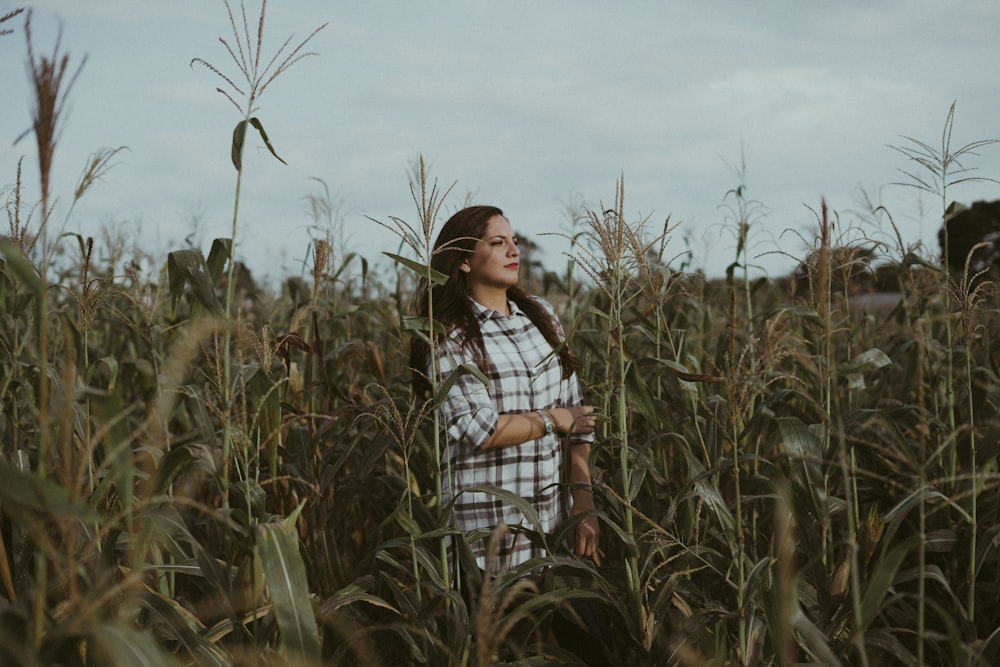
pixel 588 531
pixel 579 477
pixel 516 429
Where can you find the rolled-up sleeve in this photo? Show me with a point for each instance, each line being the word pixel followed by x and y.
pixel 468 412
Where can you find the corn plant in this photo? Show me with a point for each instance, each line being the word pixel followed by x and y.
pixel 254 78
pixel 936 170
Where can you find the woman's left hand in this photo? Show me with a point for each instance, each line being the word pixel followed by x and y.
pixel 578 420
pixel 588 532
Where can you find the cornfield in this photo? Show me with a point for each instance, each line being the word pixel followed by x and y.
pixel 195 471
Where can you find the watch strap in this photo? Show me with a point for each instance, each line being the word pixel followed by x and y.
pixel 547 421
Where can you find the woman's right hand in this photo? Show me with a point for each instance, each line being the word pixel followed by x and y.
pixel 579 419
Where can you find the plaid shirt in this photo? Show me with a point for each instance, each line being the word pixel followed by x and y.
pixel 525 375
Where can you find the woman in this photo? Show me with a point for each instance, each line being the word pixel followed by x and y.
pixel 508 433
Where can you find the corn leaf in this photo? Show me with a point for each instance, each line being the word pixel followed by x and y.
pixel 21 267
pixel 19 489
pixel 423 270
pixel 639 396
pixel 188 267
pixel 868 360
pixel 112 365
pixel 180 625
pixel 236 150
pixel 285 573
pixel 118 644
pixel 171 465
pixel 218 255
pixel 813 640
pixel 263 135
pixel 351 594
pixel 118 440
pixel 522 505
pixel 805 450
pixel 883 577
pixel 453 378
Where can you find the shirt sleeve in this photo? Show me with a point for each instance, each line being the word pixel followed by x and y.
pixel 468 412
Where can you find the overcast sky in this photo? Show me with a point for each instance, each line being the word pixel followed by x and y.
pixel 525 105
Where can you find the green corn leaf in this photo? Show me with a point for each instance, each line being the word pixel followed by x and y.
pixel 24 490
pixel 522 505
pixel 895 519
pixel 171 465
pixel 165 527
pixel 285 573
pixel 710 494
pixel 759 579
pixel 112 365
pixel 290 521
pixel 406 522
pixel 120 645
pixel 453 378
pixel 639 396
pixel 218 256
pixel 236 151
pixel 813 639
pixel 423 270
pixel 802 312
pixel 855 369
pixel 168 527
pixel 351 594
pixel 883 576
pixel 239 138
pixel 179 624
pixel 411 323
pixel 263 135
pixel 593 310
pixel 636 480
pixel 422 325
pixel 227 625
pixel 263 392
pixel 118 442
pixel 21 267
pixel 186 267
pixel 805 450
pixel 868 360
pixel 689 387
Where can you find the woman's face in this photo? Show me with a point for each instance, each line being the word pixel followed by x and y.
pixel 495 261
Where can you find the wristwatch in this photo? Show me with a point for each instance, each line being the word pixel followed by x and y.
pixel 549 426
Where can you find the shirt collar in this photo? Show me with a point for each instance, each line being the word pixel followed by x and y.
pixel 483 313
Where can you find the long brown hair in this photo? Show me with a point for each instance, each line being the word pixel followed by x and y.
pixel 452 303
